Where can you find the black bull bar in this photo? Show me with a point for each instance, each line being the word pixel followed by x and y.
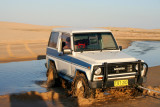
pixel 139 79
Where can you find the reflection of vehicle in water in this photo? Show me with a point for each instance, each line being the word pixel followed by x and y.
pixel 93 61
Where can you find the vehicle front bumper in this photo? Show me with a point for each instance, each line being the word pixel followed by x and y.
pixel 110 83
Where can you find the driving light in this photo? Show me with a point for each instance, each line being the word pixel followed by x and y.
pixel 98 71
pixel 136 67
pixel 142 67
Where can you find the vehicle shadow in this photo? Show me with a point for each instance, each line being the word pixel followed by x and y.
pixel 60 97
pixel 29 99
pixel 55 97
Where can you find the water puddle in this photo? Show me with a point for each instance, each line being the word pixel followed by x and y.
pixel 16 77
pixel 145 50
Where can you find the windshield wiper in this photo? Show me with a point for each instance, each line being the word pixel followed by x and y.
pixel 81 50
pixel 90 50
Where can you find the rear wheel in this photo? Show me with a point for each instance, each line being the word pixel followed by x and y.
pixel 51 76
pixel 81 88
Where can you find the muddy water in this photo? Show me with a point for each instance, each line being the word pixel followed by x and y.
pixel 16 77
pixel 146 50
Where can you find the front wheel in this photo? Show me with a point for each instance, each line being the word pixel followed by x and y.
pixel 81 88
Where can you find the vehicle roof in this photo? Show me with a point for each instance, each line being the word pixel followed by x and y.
pixel 79 30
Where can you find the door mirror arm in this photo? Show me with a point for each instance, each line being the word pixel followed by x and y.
pixel 120 48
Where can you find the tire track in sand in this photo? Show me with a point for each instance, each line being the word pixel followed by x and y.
pixel 29 50
pixel 8 47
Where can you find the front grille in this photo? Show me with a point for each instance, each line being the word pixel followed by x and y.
pixel 115 68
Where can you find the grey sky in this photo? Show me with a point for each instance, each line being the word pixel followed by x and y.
pixel 88 13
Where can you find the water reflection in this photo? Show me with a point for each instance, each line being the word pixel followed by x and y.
pixel 145 50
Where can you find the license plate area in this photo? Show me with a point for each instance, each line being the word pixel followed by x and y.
pixel 120 82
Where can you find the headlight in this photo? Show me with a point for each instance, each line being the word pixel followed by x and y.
pixel 98 71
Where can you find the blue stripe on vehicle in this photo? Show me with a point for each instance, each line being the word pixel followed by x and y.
pixel 65 57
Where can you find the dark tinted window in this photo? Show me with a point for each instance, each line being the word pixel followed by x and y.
pixel 53 40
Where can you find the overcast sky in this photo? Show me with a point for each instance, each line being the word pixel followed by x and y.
pixel 87 13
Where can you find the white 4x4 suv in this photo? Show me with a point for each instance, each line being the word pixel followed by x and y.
pixel 91 59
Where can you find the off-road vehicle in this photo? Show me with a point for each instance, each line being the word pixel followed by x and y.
pixel 91 59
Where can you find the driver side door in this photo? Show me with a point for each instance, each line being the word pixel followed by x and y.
pixel 64 60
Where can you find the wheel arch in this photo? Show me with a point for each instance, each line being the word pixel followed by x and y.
pixel 50 61
pixel 82 74
pixel 53 63
pixel 78 72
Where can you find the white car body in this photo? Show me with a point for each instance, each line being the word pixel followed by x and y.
pixel 67 65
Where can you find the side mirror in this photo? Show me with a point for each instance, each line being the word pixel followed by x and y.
pixel 67 51
pixel 120 47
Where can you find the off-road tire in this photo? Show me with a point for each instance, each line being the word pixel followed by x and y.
pixel 51 76
pixel 81 87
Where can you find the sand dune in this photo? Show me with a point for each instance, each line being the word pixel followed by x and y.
pixel 20 33
pixel 20 41
pixel 125 36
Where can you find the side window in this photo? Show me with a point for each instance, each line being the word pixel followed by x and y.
pixel 66 41
pixel 53 40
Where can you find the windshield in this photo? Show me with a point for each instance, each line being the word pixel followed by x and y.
pixel 94 41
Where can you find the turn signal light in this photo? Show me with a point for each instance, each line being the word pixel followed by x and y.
pixel 99 78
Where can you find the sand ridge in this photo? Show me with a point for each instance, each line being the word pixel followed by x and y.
pixel 20 41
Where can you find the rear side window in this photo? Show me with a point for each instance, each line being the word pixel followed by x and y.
pixel 53 40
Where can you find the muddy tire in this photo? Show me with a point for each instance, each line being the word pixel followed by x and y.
pixel 51 75
pixel 81 88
